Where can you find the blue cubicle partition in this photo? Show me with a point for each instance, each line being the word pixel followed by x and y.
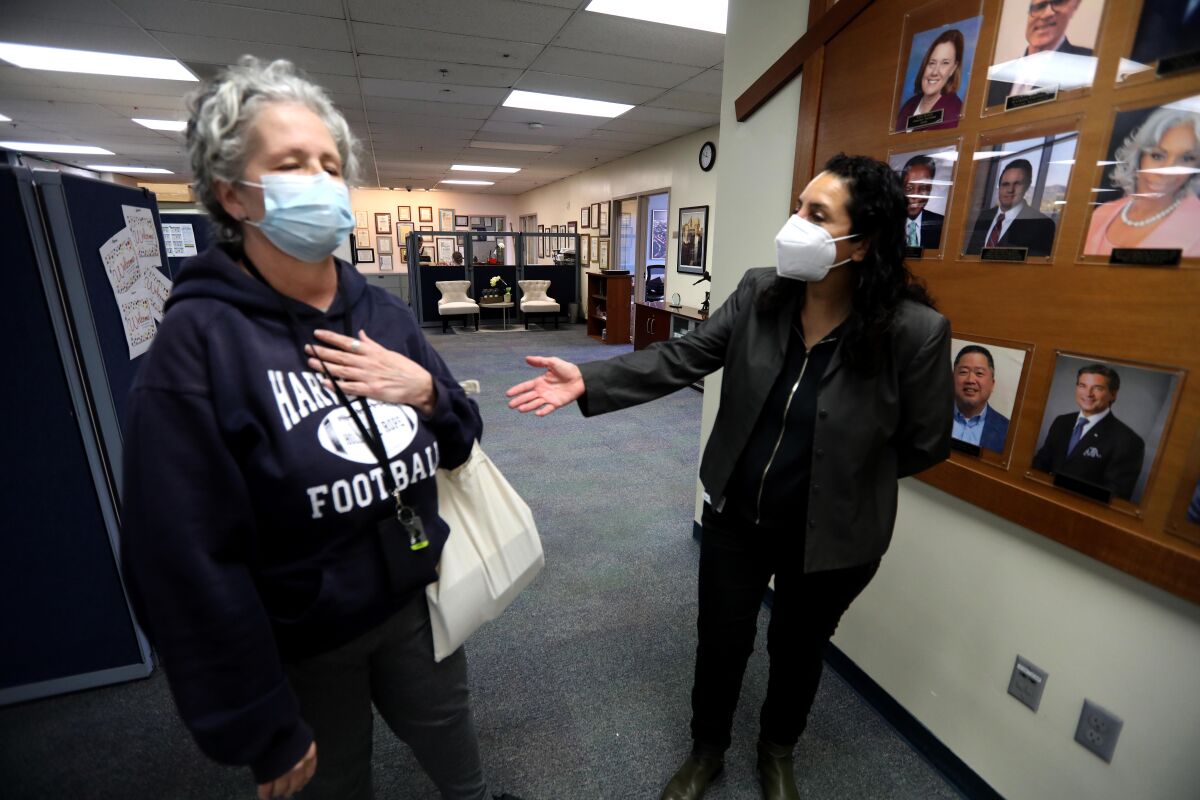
pixel 67 623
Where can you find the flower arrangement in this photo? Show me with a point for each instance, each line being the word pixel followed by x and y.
pixel 495 294
pixel 497 281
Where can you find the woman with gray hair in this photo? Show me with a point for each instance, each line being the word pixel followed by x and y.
pixel 1157 170
pixel 280 507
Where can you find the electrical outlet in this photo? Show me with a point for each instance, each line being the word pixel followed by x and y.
pixel 1027 683
pixel 1098 730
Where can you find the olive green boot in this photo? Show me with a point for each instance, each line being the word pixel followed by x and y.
pixel 775 772
pixel 694 776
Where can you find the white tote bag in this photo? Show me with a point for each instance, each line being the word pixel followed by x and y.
pixel 492 554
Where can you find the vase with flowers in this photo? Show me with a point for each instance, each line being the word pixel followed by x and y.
pixel 499 295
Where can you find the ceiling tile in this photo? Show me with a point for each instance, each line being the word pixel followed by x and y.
pixel 498 19
pixel 622 123
pixel 81 12
pixel 413 90
pixel 670 116
pixel 434 107
pixel 587 64
pixel 320 8
pixel 80 36
pixel 556 134
pixel 590 88
pixel 707 82
pixel 271 27
pixel 403 42
pixel 223 51
pixel 689 101
pixel 604 33
pixel 411 69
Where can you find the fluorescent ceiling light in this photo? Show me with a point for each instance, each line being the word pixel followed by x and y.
pixel 564 105
pixel 161 124
pixel 470 183
pixel 471 168
pixel 59 59
pixel 703 15
pixel 39 147
pixel 532 148
pixel 130 170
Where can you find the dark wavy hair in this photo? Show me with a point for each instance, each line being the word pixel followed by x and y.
pixel 882 280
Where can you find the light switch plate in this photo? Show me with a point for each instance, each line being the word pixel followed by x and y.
pixel 1027 683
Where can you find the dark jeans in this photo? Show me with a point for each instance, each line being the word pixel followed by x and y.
pixel 737 559
pixel 426 704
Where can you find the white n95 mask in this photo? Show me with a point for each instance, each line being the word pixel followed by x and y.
pixel 805 251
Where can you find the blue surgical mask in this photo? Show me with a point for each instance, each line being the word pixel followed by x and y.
pixel 307 216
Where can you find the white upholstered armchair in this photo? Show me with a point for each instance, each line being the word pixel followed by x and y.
pixel 534 300
pixel 454 302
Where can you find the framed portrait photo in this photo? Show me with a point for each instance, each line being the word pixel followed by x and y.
pixel 364 255
pixel 1167 41
pixel 1184 520
pixel 383 244
pixel 1044 49
pixel 404 213
pixel 424 213
pixel 989 385
pixel 446 219
pixel 941 44
pixel 383 222
pixel 927 176
pixel 693 239
pixel 1146 210
pixel 1101 434
pixel 1018 192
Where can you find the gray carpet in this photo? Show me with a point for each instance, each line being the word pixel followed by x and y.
pixel 581 689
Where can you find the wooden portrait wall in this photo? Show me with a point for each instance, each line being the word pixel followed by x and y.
pixel 1052 308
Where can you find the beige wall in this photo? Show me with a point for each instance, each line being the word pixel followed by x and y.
pixel 671 165
pixel 961 592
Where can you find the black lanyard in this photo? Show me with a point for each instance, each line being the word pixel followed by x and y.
pixel 408 518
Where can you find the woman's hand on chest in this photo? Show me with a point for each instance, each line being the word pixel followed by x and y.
pixel 365 368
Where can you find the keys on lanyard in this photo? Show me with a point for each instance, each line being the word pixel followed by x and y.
pixel 410 521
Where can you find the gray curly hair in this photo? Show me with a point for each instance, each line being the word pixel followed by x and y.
pixel 1145 137
pixel 221 112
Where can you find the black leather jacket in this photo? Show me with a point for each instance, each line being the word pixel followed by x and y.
pixel 870 430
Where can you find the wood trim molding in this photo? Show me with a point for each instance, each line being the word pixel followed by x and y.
pixel 789 65
pixel 1175 570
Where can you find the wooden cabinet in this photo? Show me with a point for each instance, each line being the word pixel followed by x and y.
pixel 608 299
pixel 657 322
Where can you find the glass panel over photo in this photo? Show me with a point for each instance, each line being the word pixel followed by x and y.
pixel 928 178
pixel 1018 196
pixel 1168 38
pixel 1043 45
pixel 940 45
pixel 1146 197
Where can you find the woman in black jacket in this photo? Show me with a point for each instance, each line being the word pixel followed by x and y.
pixel 837 383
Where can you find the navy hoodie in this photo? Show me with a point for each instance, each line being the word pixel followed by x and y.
pixel 251 502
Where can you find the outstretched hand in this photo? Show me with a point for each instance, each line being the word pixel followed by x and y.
pixel 560 385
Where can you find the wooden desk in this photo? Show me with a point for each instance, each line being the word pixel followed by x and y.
pixel 654 322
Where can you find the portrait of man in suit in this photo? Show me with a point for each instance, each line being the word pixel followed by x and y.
pixel 1045 32
pixel 975 421
pixel 924 227
pixel 1012 222
pixel 1092 445
pixel 1167 28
